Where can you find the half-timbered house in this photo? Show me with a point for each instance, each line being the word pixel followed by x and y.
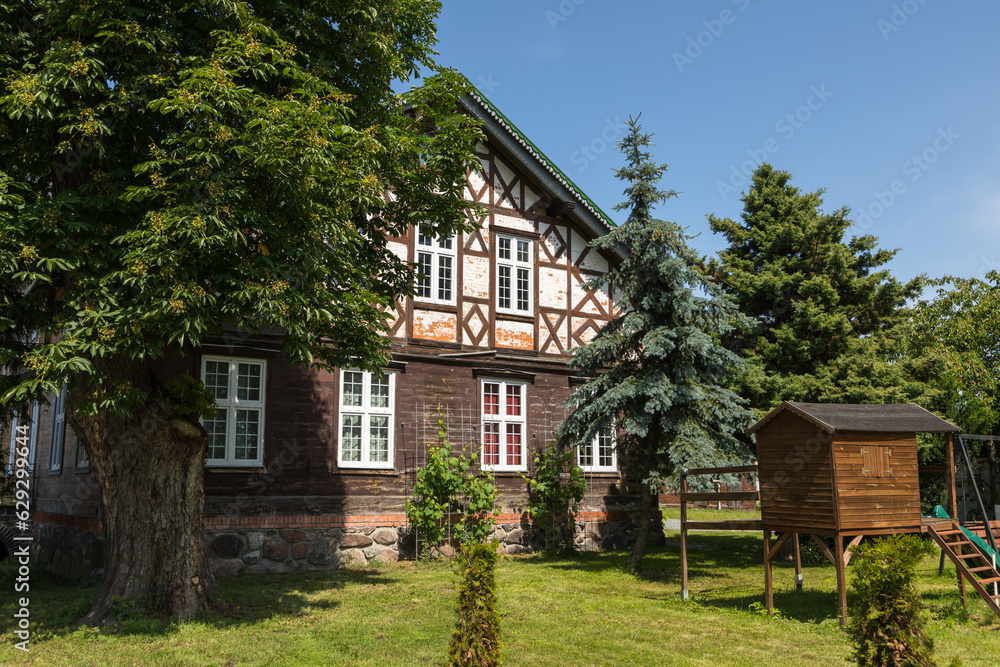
pixel 308 468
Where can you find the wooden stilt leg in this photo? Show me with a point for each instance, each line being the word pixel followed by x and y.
pixel 838 543
pixel 798 564
pixel 961 579
pixel 684 540
pixel 768 583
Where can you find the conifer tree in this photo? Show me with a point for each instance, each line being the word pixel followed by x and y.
pixel 657 368
pixel 812 297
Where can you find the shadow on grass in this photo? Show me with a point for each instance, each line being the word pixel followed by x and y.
pixel 284 594
pixel 807 606
pixel 57 605
pixel 718 569
pixel 708 552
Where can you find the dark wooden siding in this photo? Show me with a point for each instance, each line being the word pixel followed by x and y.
pixel 68 489
pixel 301 437
pixel 867 501
pixel 795 475
pixel 300 475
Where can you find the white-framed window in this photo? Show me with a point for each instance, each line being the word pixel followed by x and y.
pixel 367 401
pixel 82 460
pixel 514 271
pixel 504 425
pixel 599 454
pixel 236 432
pixel 17 431
pixel 435 268
pixel 58 431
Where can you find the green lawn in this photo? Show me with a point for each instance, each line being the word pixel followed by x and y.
pixel 704 514
pixel 578 611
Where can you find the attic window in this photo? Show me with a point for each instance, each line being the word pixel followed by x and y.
pixel 514 270
pixel 876 461
pixel 436 266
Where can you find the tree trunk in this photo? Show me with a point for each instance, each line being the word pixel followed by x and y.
pixel 150 470
pixel 646 505
pixel 642 532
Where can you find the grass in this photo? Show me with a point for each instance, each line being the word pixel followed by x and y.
pixel 584 610
pixel 706 514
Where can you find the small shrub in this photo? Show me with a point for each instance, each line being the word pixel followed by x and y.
pixel 887 616
pixel 554 494
pixel 451 484
pixel 434 498
pixel 476 639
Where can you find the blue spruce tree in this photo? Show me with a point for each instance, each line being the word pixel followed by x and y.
pixel 657 370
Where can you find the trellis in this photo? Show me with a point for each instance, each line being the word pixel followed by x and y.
pixel 463 423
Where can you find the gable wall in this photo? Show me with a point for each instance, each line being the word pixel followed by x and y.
pixel 563 314
pixel 796 484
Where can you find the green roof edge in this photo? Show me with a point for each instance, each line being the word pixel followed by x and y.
pixel 559 173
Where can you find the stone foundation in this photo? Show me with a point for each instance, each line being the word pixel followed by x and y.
pixel 292 550
pixel 76 554
pixel 278 544
pixel 239 550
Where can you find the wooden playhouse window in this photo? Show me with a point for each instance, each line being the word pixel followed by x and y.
pixel 876 461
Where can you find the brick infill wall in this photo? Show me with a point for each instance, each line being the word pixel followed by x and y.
pixel 306 522
pixel 309 521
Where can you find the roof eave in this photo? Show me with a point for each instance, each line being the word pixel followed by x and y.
pixel 513 141
pixel 947 427
pixel 785 405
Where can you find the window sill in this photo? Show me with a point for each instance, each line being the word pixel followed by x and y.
pixel 435 305
pixel 515 317
pixel 79 470
pixel 234 469
pixel 384 472
pixel 53 472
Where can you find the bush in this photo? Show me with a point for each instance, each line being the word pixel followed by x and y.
pixel 476 639
pixel 554 494
pixel 451 484
pixel 887 616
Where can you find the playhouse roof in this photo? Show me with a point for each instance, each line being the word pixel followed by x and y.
pixel 891 418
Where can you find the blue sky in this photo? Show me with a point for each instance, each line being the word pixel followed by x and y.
pixel 890 105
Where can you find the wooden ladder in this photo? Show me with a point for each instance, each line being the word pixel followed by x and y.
pixel 973 564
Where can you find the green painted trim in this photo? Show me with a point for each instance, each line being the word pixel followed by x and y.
pixel 560 174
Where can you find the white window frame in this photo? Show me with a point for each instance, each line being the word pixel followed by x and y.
pixel 604 438
pixel 32 438
pixel 514 264
pixel 365 414
pixel 232 404
pixel 441 250
pixel 502 423
pixel 58 431
pixel 82 460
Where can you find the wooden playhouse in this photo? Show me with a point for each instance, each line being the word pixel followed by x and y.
pixel 848 471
